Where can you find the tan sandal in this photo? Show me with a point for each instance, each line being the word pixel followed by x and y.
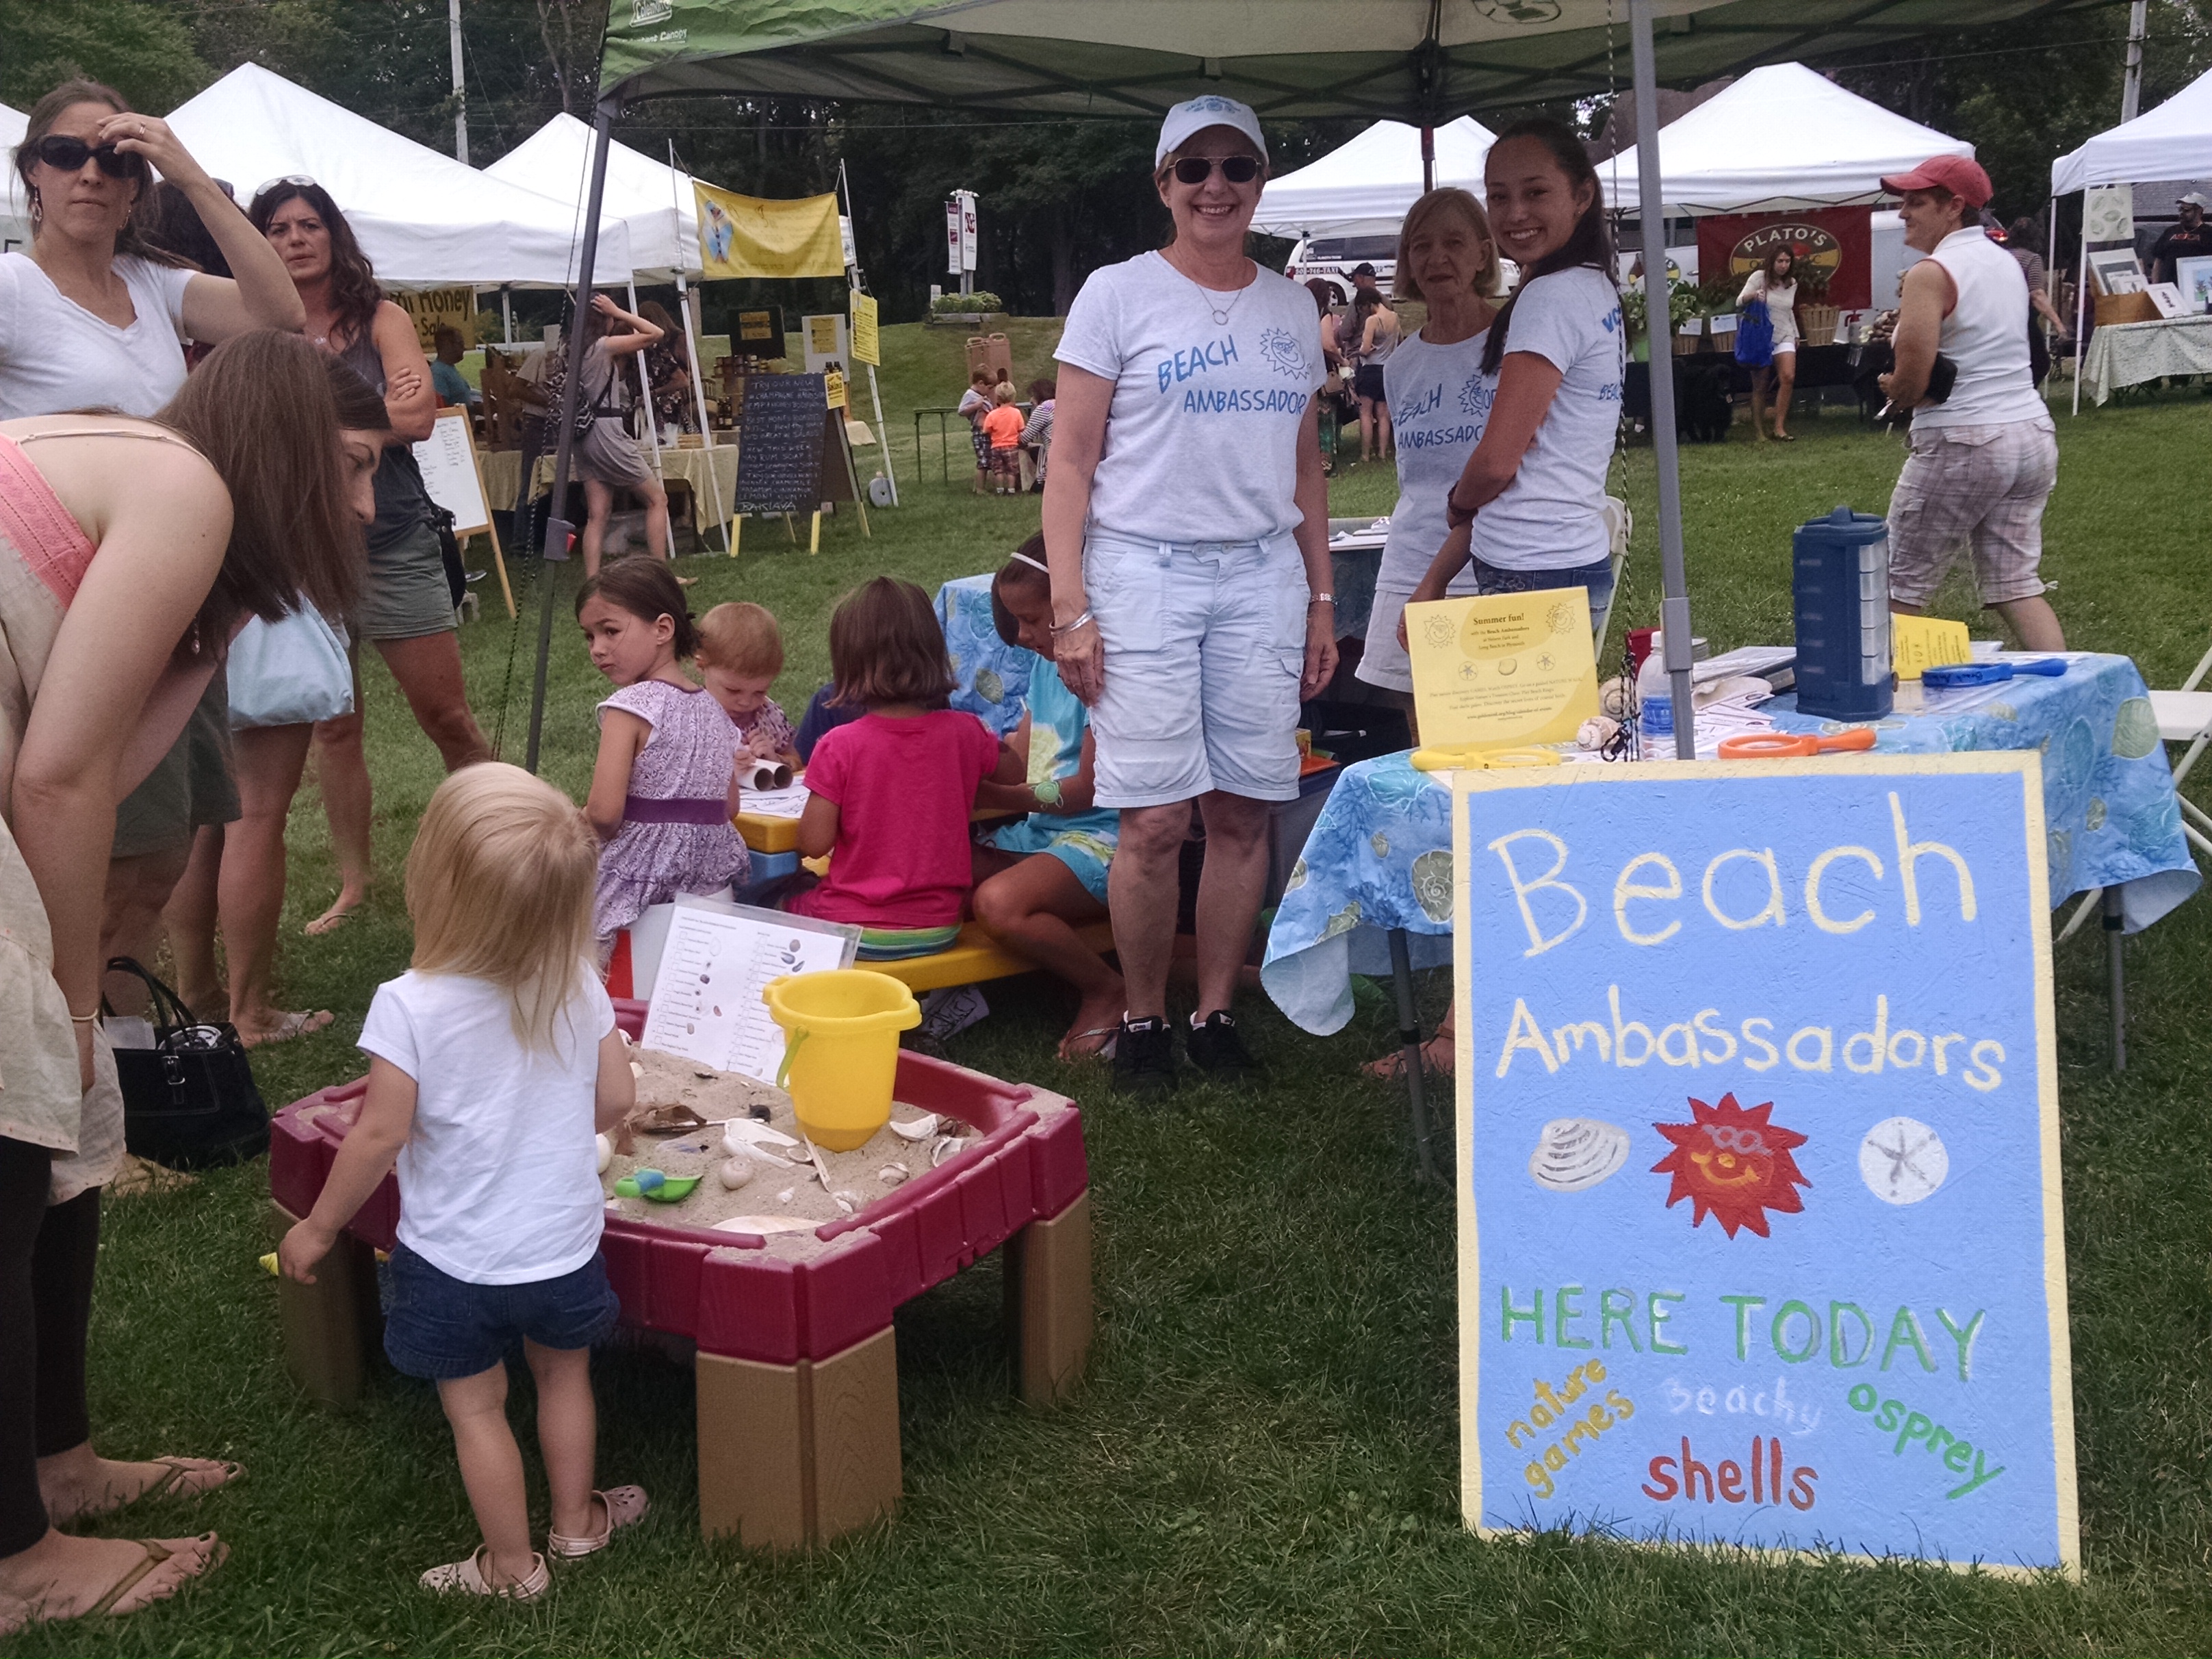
pixel 625 1506
pixel 467 1579
pixel 156 1554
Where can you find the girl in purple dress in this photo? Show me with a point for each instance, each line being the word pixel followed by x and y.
pixel 660 793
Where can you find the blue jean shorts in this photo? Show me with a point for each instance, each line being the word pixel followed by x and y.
pixel 440 1328
pixel 1596 577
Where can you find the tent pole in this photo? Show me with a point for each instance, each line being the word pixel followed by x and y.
pixel 875 391
pixel 2050 277
pixel 1675 604
pixel 685 303
pixel 1428 159
pixel 558 529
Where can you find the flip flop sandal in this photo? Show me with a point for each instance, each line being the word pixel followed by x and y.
pixel 625 1506
pixel 467 1579
pixel 175 1472
pixel 1103 1051
pixel 156 1554
pixel 301 1023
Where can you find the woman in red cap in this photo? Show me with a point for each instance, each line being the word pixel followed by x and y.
pixel 1984 454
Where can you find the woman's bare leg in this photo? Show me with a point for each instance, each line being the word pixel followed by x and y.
pixel 1785 380
pixel 269 761
pixel 428 670
pixel 342 772
pixel 191 915
pixel 1758 378
pixel 598 501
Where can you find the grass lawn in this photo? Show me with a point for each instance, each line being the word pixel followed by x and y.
pixel 1265 1456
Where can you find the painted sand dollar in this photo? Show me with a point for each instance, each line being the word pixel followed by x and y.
pixel 1574 1154
pixel 2134 729
pixel 1903 1161
pixel 989 686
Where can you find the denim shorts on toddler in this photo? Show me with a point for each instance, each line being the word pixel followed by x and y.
pixel 440 1328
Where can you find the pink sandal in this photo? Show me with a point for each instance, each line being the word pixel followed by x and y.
pixel 468 1579
pixel 625 1506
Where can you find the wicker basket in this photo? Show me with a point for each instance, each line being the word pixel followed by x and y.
pixel 1687 345
pixel 2124 309
pixel 1816 325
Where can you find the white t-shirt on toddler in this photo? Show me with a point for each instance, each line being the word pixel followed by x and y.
pixel 1552 516
pixel 499 1183
pixel 1201 438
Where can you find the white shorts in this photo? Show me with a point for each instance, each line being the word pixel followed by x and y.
pixel 1382 660
pixel 1204 646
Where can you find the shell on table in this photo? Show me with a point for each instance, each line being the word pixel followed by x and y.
pixel 1574 1154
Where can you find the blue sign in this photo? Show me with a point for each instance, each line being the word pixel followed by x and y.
pixel 1760 1239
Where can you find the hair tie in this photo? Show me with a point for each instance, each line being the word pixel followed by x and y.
pixel 1034 564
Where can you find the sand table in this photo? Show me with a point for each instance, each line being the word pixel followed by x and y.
pixel 785 1189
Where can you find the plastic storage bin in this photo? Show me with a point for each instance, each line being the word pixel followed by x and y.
pixel 1840 567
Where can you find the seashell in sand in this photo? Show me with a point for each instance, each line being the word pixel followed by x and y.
pixel 784 1197
pixel 763 1224
pixel 917 1129
pixel 637 1070
pixel 948 1147
pixel 1574 1154
pixel 892 1174
pixel 736 1171
pixel 742 1134
pixel 606 1153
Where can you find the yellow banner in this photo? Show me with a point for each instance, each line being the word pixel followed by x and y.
pixel 833 387
pixel 745 236
pixel 429 308
pixel 866 346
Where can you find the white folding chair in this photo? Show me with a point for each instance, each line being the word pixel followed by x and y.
pixel 2183 716
pixel 1619 525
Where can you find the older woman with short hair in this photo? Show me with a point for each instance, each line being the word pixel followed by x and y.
pixel 1186 521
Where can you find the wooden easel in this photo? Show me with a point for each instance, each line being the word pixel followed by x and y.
pixel 452 473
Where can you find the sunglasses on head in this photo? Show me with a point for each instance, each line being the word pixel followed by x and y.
pixel 68 154
pixel 1196 169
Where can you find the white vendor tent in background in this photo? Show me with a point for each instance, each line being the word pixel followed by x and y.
pixel 15 219
pixel 2175 141
pixel 1364 186
pixel 1780 138
pixel 424 220
pixel 652 199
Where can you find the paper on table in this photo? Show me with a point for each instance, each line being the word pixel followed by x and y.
pixel 706 1000
pixel 1501 670
pixel 787 803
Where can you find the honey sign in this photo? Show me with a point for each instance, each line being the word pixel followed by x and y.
pixel 1502 670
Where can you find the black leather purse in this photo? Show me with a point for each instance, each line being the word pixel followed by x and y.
pixel 189 1102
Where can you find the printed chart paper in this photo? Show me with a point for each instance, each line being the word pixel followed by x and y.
pixel 1502 669
pixel 706 1000
pixel 1760 1237
pixel 786 803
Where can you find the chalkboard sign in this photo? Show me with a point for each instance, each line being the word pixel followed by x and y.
pixel 780 444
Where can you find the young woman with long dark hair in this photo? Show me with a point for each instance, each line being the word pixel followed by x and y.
pixel 406 610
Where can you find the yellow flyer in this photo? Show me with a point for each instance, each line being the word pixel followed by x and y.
pixel 1500 670
pixel 867 340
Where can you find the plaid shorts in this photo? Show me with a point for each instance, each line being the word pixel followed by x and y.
pixel 1976 486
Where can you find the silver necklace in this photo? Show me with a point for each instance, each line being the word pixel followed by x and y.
pixel 1221 313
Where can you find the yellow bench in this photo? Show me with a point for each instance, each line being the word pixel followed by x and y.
pixel 974 957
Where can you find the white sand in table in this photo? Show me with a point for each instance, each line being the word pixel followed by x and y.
pixel 779 1170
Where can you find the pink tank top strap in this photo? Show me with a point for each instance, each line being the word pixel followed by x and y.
pixel 45 533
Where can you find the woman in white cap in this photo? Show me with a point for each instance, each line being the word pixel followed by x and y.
pixel 1186 521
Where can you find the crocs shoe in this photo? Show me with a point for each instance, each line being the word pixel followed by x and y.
pixel 625 1506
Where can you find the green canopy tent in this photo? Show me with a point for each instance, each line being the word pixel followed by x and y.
pixel 1423 62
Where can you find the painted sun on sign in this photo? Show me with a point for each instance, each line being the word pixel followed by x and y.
pixel 1733 1162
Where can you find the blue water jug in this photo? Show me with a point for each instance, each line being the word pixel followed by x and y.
pixel 1841 571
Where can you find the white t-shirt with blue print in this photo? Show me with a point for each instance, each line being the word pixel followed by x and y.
pixel 1552 516
pixel 1201 438
pixel 1439 401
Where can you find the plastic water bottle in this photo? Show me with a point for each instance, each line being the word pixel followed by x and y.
pixel 1655 704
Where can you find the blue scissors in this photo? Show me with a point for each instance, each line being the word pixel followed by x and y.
pixel 1951 676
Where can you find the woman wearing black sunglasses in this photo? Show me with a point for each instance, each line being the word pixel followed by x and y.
pixel 1186 520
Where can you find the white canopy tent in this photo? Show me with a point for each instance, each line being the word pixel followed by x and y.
pixel 1364 186
pixel 653 199
pixel 14 222
pixel 2175 141
pixel 424 220
pixel 1780 138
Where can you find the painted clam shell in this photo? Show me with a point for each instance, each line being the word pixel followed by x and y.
pixel 1574 1154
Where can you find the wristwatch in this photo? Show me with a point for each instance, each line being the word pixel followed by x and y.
pixel 1047 792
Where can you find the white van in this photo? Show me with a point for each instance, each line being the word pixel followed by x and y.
pixel 1332 259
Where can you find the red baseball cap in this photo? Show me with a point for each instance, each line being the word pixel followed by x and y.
pixel 1960 174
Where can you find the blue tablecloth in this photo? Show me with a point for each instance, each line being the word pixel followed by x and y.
pixel 1379 858
pixel 994 677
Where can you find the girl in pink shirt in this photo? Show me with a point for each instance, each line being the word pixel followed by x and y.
pixel 889 795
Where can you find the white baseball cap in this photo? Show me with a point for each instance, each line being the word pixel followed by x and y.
pixel 2196 198
pixel 1199 114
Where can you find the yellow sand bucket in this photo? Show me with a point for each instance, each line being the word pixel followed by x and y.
pixel 840 1050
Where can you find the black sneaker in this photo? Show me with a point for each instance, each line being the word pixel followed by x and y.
pixel 1217 1051
pixel 1144 1058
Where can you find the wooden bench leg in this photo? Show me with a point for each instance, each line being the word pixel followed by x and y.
pixel 793 1455
pixel 331 1326
pixel 1049 1309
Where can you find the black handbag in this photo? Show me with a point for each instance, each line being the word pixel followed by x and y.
pixel 449 554
pixel 189 1102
